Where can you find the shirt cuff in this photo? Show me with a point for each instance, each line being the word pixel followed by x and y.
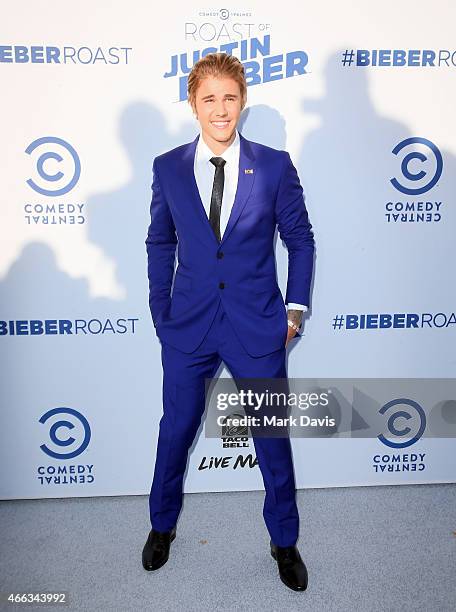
pixel 293 306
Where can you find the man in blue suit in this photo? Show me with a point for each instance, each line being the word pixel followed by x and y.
pixel 219 199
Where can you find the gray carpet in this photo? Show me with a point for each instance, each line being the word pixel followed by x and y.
pixel 366 548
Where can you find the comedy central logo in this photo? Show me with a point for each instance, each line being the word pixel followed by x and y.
pixel 403 410
pixel 406 424
pixel 233 434
pixel 60 422
pixel 55 171
pixel 420 166
pixel 54 181
pixel 68 434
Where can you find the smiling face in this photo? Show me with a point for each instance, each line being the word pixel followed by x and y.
pixel 218 108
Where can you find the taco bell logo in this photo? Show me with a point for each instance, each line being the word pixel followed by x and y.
pixel 233 434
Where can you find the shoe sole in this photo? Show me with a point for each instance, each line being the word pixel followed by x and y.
pixel 153 569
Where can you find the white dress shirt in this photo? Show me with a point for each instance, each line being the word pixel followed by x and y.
pixel 204 174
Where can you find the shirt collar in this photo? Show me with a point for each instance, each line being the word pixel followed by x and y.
pixel 229 155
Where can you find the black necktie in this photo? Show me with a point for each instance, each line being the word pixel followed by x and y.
pixel 217 195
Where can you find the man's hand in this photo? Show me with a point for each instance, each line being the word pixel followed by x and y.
pixel 295 316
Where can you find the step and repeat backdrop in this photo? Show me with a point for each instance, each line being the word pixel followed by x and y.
pixel 362 96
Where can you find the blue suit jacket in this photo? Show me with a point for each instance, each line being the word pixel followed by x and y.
pixel 241 269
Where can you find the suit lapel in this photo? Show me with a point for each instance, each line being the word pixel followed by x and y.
pixel 244 185
pixel 193 195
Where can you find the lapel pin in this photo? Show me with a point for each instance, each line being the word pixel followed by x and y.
pixel 248 171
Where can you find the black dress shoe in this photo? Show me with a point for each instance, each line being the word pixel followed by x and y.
pixel 156 550
pixel 292 570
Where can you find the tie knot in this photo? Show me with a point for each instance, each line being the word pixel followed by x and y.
pixel 218 162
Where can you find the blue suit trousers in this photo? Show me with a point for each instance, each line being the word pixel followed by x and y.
pixel 183 407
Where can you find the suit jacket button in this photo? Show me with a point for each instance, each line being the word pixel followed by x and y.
pixel 221 285
pixel 219 254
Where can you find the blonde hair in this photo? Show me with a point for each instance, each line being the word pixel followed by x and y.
pixel 217 65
